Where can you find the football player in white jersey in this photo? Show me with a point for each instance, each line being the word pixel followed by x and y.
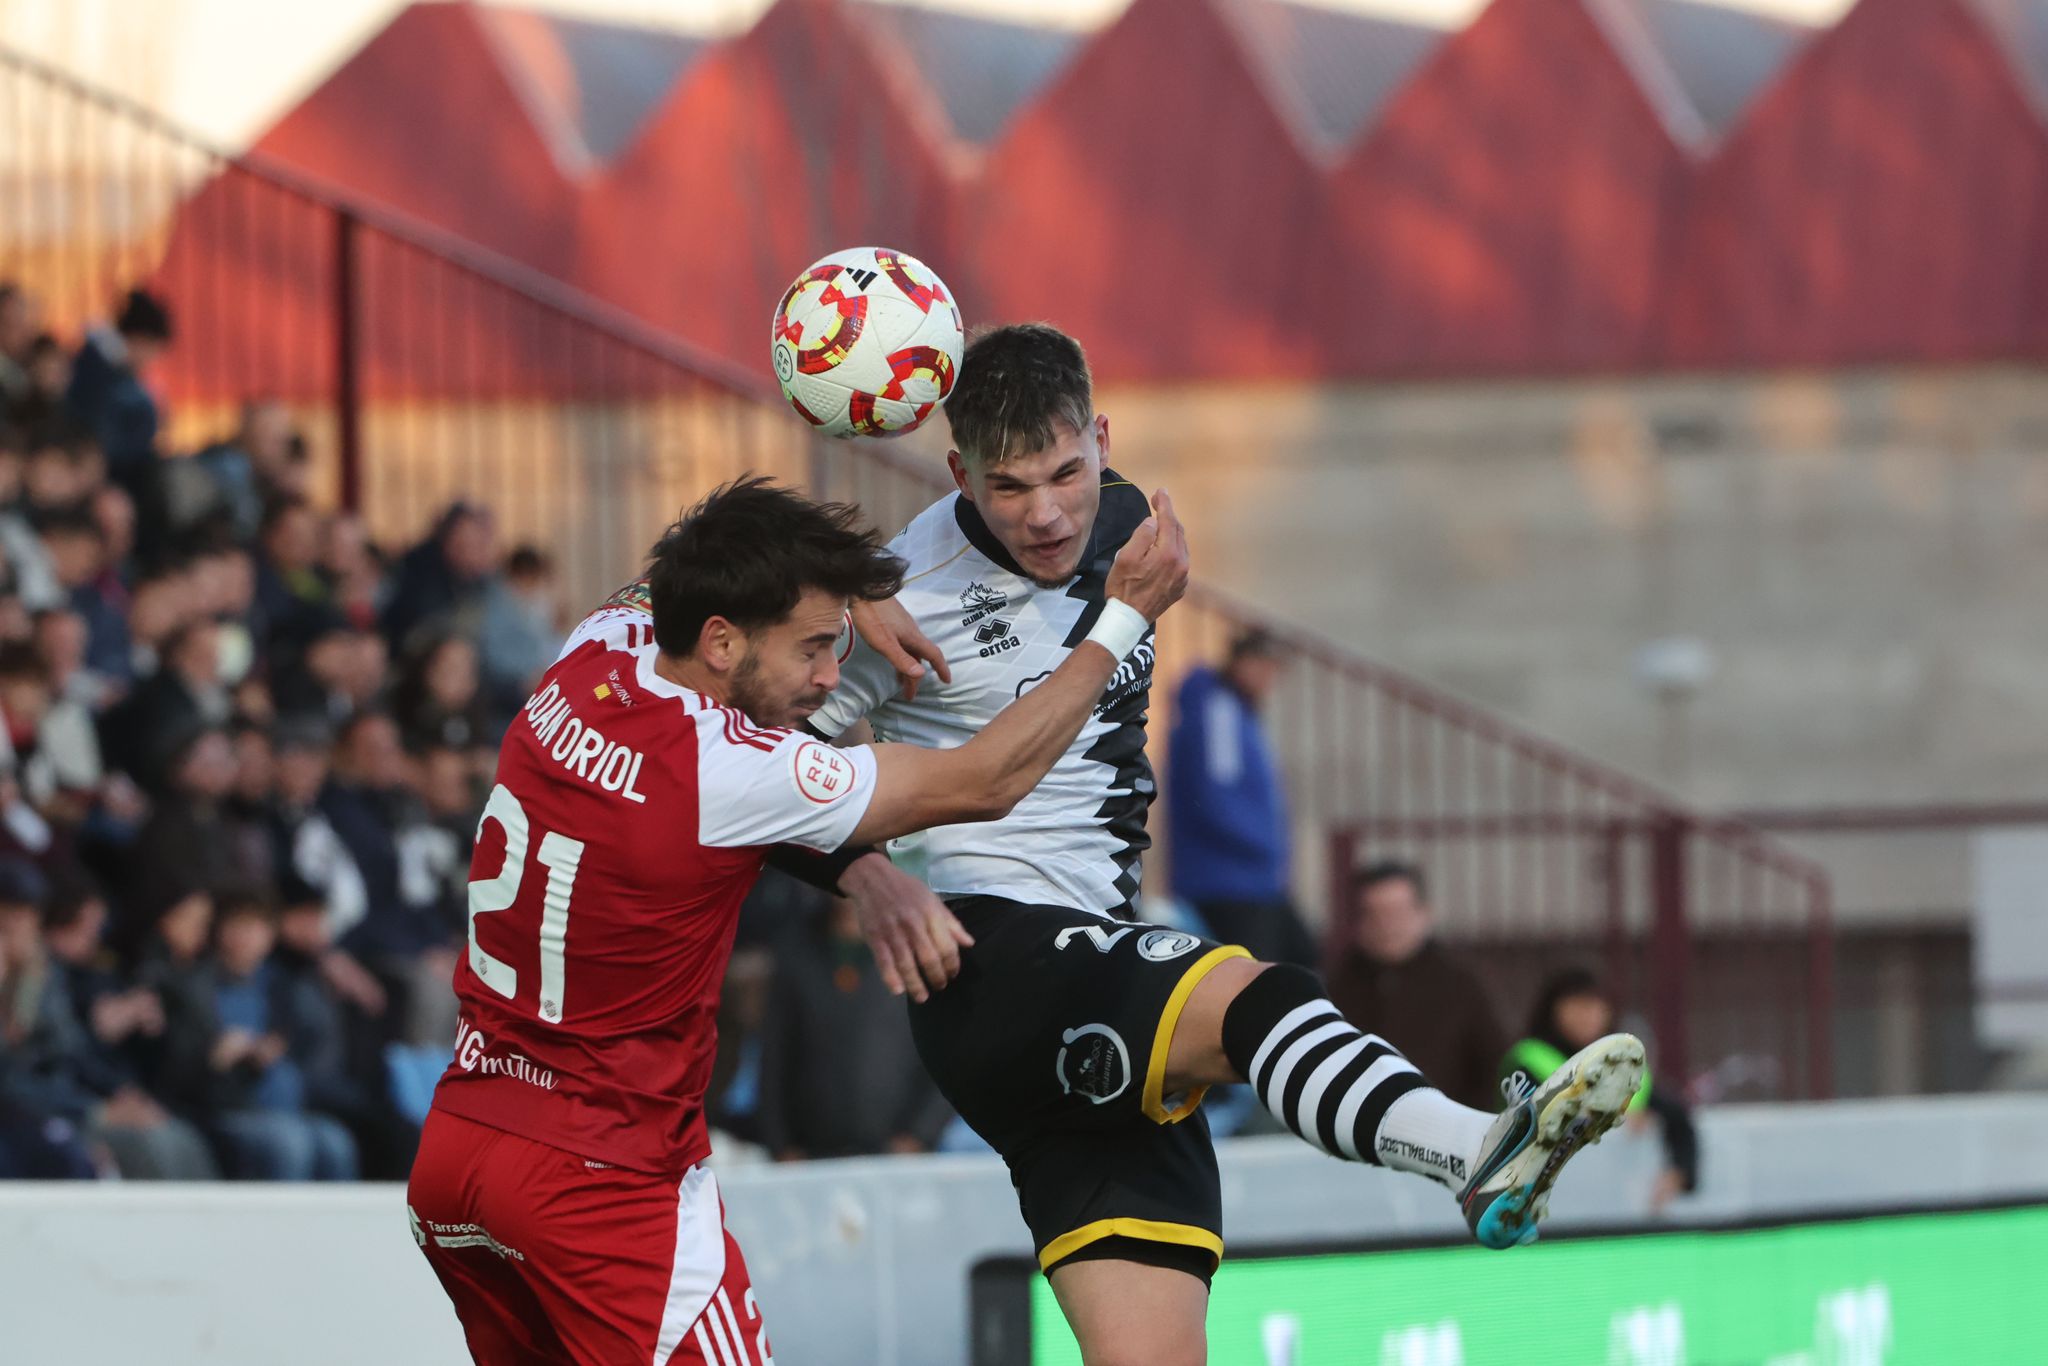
pixel 1079 1042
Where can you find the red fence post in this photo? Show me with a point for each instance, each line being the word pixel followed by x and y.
pixel 347 391
pixel 1670 943
pixel 1820 992
pixel 1343 856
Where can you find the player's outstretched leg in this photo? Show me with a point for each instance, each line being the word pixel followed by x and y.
pixel 1355 1096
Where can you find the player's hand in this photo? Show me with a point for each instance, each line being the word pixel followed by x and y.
pixel 915 938
pixel 888 629
pixel 1151 571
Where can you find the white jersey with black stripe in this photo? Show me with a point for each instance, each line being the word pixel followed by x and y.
pixel 1076 840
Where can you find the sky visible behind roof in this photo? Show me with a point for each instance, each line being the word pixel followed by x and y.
pixel 227 68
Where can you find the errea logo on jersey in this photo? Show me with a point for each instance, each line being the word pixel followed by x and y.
pixel 823 774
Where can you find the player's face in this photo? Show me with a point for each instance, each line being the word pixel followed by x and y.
pixel 1041 506
pixel 791 667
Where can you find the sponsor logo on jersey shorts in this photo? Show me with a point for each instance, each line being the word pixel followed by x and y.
pixel 1094 1063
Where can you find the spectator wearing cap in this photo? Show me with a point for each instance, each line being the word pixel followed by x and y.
pixel 441 583
pixel 1226 808
pixel 108 396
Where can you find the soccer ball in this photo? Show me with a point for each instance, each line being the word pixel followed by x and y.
pixel 866 343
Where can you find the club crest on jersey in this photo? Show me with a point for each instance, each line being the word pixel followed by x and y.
pixel 979 601
pixel 1162 946
pixel 1094 1063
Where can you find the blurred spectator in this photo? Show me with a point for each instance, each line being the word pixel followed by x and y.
pixel 353 569
pixel 1390 977
pixel 1571 1011
pixel 45 739
pixel 839 1074
pixel 60 638
pixel 44 1101
pixel 439 700
pixel 187 841
pixel 161 602
pixel 261 463
pixel 441 583
pixel 107 394
pixel 17 334
pixel 228 1052
pixel 336 671
pixel 332 1023
pixel 365 804
pixel 77 552
pixel 183 695
pixel 115 1027
pixel 246 809
pixel 289 585
pixel 522 630
pixel 35 575
pixel 1227 809
pixel 63 469
pixel 114 510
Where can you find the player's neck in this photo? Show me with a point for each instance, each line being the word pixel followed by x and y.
pixel 691 674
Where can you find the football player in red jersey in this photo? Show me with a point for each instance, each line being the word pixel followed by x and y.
pixel 559 1192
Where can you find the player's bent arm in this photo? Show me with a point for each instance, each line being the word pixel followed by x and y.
pixel 985 778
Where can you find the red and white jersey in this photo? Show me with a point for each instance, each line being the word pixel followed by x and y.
pixel 629 820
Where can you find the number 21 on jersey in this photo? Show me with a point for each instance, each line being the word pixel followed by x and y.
pixel 561 856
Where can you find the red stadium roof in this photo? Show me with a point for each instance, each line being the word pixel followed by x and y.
pixel 1886 200
pixel 777 148
pixel 1513 207
pixel 1242 188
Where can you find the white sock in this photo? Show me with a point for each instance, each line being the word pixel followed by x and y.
pixel 1429 1134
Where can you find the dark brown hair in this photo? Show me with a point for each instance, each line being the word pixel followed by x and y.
pixel 1018 384
pixel 749 551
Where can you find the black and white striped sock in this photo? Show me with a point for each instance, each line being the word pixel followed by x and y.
pixel 1350 1093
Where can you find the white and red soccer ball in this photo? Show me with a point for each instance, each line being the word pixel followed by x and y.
pixel 867 342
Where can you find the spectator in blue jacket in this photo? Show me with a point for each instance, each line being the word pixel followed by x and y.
pixel 107 396
pixel 1226 810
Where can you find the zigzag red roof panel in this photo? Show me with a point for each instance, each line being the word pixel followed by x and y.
pixel 1166 230
pixel 775 149
pixel 1887 200
pixel 1511 211
pixel 425 119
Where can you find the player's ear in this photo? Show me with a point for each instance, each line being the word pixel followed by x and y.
pixel 718 644
pixel 959 468
pixel 1102 436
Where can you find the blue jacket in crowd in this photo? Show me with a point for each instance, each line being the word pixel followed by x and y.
pixel 1226 812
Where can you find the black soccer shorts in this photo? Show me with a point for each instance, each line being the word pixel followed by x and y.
pixel 1052 1045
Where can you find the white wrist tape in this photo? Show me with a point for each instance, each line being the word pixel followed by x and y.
pixel 1119 628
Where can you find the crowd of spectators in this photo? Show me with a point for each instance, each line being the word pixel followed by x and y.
pixel 242 755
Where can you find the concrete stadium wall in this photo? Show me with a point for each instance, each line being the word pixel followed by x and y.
pixel 1861 551
pixel 865 1263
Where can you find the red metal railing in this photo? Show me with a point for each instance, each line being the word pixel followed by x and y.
pixel 424 369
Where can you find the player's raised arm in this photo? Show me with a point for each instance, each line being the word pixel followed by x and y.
pixel 985 778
